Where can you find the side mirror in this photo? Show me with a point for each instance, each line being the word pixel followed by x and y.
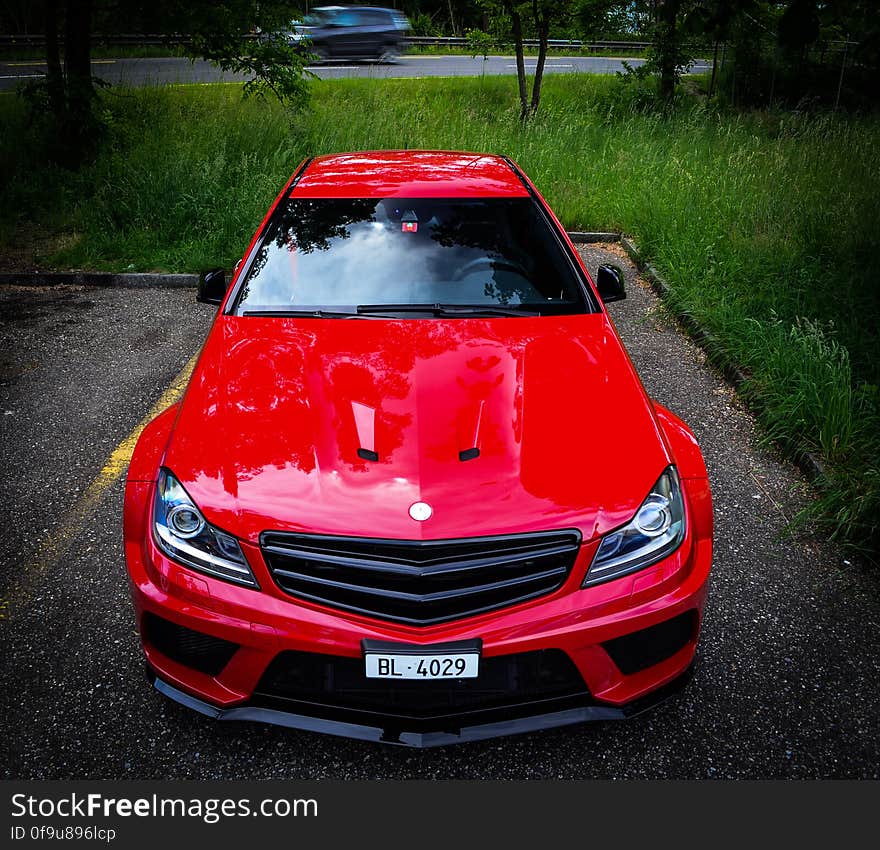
pixel 212 287
pixel 609 282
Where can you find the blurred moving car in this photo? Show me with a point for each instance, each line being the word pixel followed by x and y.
pixel 352 32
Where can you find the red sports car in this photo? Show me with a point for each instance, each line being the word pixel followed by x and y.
pixel 415 491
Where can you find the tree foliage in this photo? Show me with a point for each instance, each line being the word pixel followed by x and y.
pixel 223 33
pixel 515 21
pixel 226 32
pixel 798 51
pixel 794 51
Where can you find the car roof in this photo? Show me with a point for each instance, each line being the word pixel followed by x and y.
pixel 414 174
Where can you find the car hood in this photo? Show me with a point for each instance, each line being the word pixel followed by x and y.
pixel 280 417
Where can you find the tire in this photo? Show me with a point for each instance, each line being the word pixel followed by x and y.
pixel 389 54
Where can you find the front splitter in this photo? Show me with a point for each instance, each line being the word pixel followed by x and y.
pixel 395 735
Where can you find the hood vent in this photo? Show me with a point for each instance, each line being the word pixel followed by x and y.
pixel 365 423
pixel 469 421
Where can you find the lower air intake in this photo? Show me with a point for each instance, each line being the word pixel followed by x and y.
pixel 193 649
pixel 647 647
pixel 312 681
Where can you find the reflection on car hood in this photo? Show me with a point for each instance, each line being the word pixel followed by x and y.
pixel 269 432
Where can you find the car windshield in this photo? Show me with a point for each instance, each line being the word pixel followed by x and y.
pixel 341 254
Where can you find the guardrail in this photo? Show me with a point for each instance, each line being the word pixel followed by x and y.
pixel 415 41
pixel 574 44
pixel 40 40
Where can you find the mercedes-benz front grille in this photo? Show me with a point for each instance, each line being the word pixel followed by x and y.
pixel 420 582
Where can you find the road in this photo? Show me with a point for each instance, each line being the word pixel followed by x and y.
pixel 788 682
pixel 142 72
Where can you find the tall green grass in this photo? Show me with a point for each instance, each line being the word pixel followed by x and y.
pixel 766 226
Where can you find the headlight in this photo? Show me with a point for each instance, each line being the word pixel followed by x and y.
pixel 655 532
pixel 183 534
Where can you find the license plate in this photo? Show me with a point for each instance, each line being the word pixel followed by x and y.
pixel 441 661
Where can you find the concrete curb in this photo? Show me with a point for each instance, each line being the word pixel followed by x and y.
pixel 808 463
pixel 585 237
pixel 129 281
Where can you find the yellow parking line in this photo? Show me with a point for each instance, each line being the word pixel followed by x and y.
pixel 59 542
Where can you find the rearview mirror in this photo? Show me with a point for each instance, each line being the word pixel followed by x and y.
pixel 212 287
pixel 609 282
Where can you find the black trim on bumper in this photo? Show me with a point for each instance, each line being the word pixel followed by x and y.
pixel 395 735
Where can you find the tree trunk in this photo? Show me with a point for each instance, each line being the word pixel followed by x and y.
pixel 733 81
pixel 516 22
pixel 54 77
pixel 78 71
pixel 667 12
pixel 77 55
pixel 452 18
pixel 714 72
pixel 543 25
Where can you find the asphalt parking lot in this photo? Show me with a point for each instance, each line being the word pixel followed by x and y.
pixel 788 683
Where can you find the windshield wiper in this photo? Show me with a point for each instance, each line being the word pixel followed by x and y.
pixel 304 314
pixel 446 309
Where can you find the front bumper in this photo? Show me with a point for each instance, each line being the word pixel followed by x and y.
pixel 584 624
pixel 461 731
